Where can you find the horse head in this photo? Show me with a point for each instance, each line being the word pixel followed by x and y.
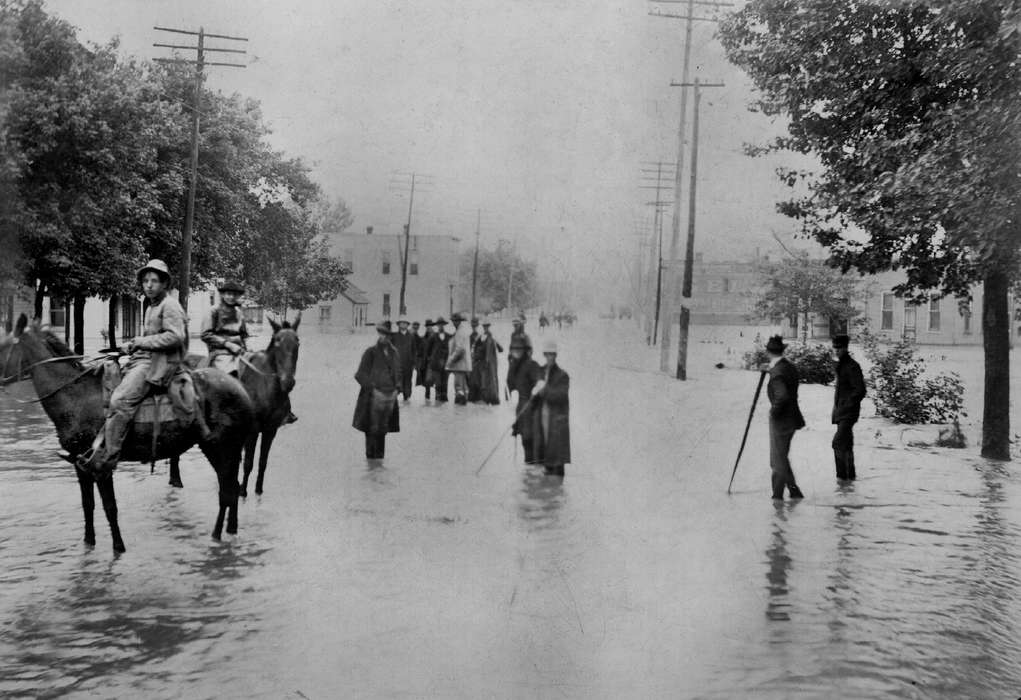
pixel 13 360
pixel 283 350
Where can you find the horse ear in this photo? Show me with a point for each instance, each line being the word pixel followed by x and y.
pixel 273 322
pixel 19 327
pixel 296 322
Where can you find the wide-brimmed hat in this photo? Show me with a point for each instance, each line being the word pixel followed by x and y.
pixel 841 341
pixel 428 323
pixel 415 324
pixel 486 322
pixel 475 320
pixel 549 346
pixel 384 327
pixel 776 345
pixel 440 321
pixel 157 266
pixel 231 286
pixel 517 319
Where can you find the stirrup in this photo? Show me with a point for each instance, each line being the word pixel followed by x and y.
pixel 83 461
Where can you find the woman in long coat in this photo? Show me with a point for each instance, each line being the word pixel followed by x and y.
pixel 376 411
pixel 552 441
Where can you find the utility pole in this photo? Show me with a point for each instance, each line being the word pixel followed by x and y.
pixel 200 63
pixel 405 252
pixel 671 297
pixel 689 253
pixel 657 226
pixel 475 263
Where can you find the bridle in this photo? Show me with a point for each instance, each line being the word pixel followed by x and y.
pixel 26 372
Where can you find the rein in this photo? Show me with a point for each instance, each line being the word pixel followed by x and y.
pixel 26 372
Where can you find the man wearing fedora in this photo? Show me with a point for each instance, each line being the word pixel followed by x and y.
pixel 784 417
pixel 378 376
pixel 519 347
pixel 405 344
pixel 223 329
pixel 847 398
pixel 552 433
pixel 156 356
pixel 437 348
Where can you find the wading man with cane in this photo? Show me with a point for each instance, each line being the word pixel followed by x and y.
pixel 784 417
pixel 378 376
pixel 850 390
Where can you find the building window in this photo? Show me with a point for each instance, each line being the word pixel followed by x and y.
pixel 324 312
pixel 934 319
pixel 58 317
pixel 386 303
pixel 887 320
pixel 386 262
pixel 413 263
pixel 726 285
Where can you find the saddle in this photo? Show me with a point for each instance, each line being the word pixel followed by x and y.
pixel 178 402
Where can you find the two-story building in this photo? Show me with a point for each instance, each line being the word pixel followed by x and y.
pixel 375 261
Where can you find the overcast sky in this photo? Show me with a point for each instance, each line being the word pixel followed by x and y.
pixel 538 112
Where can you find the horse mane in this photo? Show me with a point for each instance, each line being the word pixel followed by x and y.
pixel 57 346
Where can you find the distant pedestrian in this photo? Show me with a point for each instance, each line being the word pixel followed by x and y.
pixel 784 417
pixel 524 375
pixel 378 375
pixel 404 343
pixel 551 415
pixel 459 361
pixel 422 366
pixel 486 369
pixel 847 398
pixel 438 348
pixel 543 321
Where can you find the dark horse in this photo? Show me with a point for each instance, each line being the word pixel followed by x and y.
pixel 72 396
pixel 268 378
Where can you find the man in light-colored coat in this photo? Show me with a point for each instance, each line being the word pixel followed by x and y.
pixel 459 359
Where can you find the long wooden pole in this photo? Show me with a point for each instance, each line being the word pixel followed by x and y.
pixel 740 450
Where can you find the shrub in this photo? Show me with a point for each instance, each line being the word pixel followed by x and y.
pixel 901 391
pixel 814 362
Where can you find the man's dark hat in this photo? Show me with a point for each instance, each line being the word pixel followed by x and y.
pixel 384 327
pixel 415 324
pixel 775 344
pixel 231 286
pixel 841 341
pixel 475 320
pixel 428 323
pixel 440 321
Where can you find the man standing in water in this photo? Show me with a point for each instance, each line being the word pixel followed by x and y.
pixel 850 390
pixel 378 375
pixel 552 411
pixel 784 417
pixel 156 356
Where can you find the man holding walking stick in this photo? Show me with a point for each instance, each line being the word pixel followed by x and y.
pixel 784 417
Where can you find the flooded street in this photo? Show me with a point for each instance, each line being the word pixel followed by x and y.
pixel 637 576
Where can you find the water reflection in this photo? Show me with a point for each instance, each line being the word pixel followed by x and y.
pixel 542 499
pixel 779 562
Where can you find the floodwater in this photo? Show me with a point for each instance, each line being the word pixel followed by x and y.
pixel 636 576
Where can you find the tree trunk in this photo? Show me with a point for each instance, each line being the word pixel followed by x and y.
pixel 67 320
pixel 37 306
pixel 79 325
pixel 996 343
pixel 111 323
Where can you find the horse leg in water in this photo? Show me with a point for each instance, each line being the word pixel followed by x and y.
pixel 175 472
pixel 85 483
pixel 226 466
pixel 267 442
pixel 106 493
pixel 249 461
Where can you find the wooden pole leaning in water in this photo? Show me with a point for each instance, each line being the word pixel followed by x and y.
pixel 755 400
pixel 504 434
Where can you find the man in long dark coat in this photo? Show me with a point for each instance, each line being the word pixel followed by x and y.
pixel 488 377
pixel 526 373
pixel 784 417
pixel 403 342
pixel 378 375
pixel 519 341
pixel 551 414
pixel 416 352
pixel 475 376
pixel 438 349
pixel 850 390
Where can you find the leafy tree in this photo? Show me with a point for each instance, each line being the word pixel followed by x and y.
pixel 498 269
pixel 797 287
pixel 912 111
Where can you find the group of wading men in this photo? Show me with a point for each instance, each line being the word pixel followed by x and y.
pixel 468 359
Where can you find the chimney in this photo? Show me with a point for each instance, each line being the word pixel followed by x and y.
pixel 368 230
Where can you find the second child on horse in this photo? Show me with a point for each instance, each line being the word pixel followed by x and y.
pixel 225 334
